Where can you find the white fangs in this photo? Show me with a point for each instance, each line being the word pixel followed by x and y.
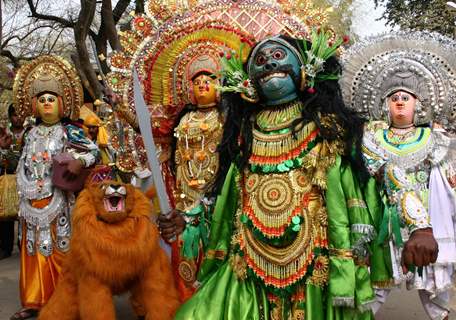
pixel 114 203
pixel 273 75
pixel 114 200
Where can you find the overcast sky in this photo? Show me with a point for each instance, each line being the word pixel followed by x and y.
pixel 365 17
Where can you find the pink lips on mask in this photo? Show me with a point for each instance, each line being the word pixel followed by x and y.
pixel 114 203
pixel 114 199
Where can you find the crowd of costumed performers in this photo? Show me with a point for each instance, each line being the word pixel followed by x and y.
pixel 304 181
pixel 63 168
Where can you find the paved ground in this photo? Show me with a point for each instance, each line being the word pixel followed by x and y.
pixel 9 291
pixel 401 305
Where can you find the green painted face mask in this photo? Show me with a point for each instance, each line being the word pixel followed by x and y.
pixel 275 68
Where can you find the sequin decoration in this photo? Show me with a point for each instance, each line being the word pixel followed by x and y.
pixel 428 56
pixel 58 68
pixel 273 200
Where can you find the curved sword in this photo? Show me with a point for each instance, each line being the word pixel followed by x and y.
pixel 143 115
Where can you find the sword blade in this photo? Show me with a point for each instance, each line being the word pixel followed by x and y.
pixel 146 132
pixel 143 115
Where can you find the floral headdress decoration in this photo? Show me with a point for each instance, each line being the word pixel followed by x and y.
pixel 322 48
pixel 235 78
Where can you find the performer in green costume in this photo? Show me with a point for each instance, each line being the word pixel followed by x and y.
pixel 291 228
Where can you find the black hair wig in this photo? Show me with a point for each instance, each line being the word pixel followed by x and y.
pixel 11 110
pixel 347 125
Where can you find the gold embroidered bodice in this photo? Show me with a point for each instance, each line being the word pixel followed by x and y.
pixel 282 224
pixel 198 135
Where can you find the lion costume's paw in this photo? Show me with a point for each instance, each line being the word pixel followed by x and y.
pixel 114 249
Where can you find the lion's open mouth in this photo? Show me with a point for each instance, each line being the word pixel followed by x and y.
pixel 114 198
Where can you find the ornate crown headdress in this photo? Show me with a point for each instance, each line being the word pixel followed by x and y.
pixel 421 63
pixel 171 33
pixel 161 36
pixel 48 73
pixel 6 99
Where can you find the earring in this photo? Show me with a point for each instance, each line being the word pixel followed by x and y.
pixel 416 115
pixel 191 96
pixel 303 79
pixel 386 110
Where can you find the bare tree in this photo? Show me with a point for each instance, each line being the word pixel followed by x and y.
pixel 44 27
pixel 104 36
pixel 22 37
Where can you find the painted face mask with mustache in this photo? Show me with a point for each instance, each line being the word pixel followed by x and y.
pixel 275 70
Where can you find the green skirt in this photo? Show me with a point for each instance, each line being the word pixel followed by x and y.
pixel 224 297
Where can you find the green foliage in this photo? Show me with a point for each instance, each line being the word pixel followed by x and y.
pixel 315 56
pixel 340 18
pixel 432 15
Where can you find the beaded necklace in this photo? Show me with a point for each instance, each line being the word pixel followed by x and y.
pixel 273 119
pixel 198 135
pixel 41 152
pixel 280 149
pixel 398 136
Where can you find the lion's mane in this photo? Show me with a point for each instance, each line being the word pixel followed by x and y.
pixel 112 258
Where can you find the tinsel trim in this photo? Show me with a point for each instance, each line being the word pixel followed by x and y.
pixel 384 284
pixel 341 253
pixel 216 254
pixel 360 248
pixel 343 302
pixel 239 266
pixel 356 203
pixel 365 229
pixel 43 217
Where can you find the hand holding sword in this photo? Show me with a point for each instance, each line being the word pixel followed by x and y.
pixel 171 225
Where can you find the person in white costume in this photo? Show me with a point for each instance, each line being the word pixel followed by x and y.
pixel 408 81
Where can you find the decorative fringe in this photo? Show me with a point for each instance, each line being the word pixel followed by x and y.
pixel 343 302
pixel 43 217
pixel 384 284
pixel 9 197
pixel 366 229
pixel 278 267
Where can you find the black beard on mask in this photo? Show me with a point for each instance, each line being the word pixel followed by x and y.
pixel 286 68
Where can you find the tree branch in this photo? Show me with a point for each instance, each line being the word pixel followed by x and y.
pixel 7 40
pixel 10 55
pixel 119 10
pixel 55 41
pixel 107 31
pixel 81 31
pixel 62 21
pixel 84 80
pixel 108 25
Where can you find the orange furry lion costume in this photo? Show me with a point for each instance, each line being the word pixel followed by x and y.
pixel 114 249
